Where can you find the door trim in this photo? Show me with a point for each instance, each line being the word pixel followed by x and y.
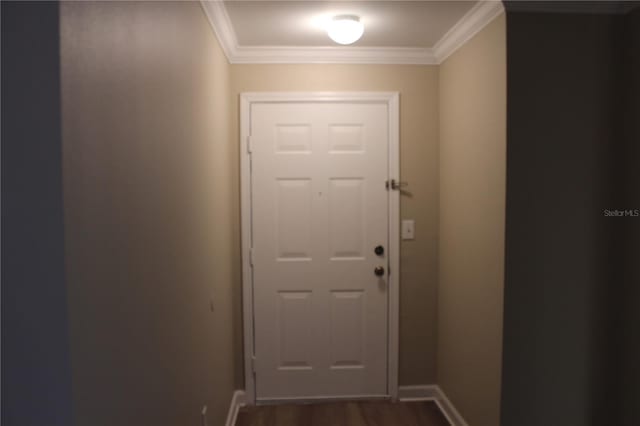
pixel 392 100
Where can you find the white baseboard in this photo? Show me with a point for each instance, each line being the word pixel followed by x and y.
pixel 433 393
pixel 449 410
pixel 238 401
pixel 418 393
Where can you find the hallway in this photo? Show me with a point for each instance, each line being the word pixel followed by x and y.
pixel 502 282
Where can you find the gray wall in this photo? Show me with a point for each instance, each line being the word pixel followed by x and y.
pixel 115 157
pixel 146 167
pixel 36 374
pixel 563 296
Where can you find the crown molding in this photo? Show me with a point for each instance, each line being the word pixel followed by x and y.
pixel 478 17
pixel 221 24
pixel 332 55
pixel 468 26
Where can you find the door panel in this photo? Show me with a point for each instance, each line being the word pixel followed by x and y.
pixel 347 329
pixel 293 219
pixel 319 208
pixel 346 224
pixel 293 327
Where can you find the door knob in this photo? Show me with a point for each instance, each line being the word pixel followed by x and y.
pixel 379 271
pixel 379 250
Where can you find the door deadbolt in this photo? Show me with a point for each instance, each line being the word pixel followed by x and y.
pixel 379 250
pixel 379 271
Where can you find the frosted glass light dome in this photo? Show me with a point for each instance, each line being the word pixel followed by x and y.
pixel 345 29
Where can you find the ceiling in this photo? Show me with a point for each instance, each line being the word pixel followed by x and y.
pixel 303 23
pixel 396 32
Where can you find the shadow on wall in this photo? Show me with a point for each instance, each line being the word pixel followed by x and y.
pixel 627 246
pixel 572 155
pixel 36 372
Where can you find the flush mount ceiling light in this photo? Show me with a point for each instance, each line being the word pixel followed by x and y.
pixel 345 29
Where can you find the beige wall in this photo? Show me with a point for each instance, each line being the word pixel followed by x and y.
pixel 418 87
pixel 472 203
pixel 147 164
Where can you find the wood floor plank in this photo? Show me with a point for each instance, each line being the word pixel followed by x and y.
pixel 351 413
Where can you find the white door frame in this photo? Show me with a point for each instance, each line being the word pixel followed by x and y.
pixel 392 100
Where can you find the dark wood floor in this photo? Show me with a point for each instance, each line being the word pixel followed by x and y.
pixel 361 413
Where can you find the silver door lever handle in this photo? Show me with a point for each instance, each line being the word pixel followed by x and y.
pixel 393 184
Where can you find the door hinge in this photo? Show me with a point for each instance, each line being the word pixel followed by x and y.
pixel 251 256
pixel 253 364
pixel 249 144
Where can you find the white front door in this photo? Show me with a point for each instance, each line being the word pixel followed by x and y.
pixel 319 210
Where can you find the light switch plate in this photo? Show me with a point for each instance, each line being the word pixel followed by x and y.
pixel 408 229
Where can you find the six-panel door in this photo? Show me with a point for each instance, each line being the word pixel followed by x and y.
pixel 319 209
